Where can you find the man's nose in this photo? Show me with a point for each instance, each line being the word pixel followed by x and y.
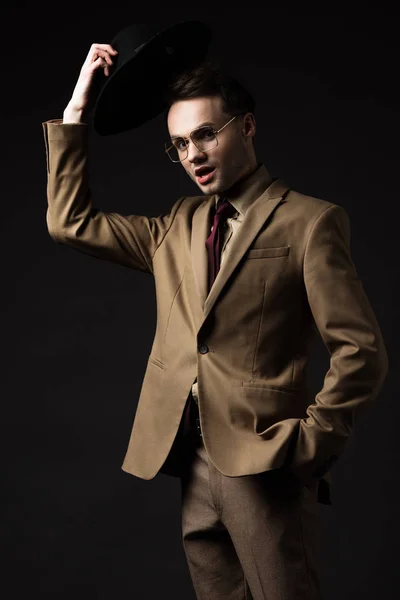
pixel 193 152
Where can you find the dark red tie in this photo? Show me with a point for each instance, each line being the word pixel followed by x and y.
pixel 214 244
pixel 215 239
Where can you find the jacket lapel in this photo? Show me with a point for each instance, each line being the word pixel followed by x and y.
pixel 256 215
pixel 200 230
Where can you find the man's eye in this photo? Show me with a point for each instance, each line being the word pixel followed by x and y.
pixel 205 134
pixel 180 144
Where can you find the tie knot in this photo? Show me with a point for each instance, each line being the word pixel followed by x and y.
pixel 224 209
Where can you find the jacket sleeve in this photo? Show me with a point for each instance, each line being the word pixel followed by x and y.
pixel 349 329
pixel 71 218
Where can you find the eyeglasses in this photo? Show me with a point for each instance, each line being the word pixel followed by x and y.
pixel 204 138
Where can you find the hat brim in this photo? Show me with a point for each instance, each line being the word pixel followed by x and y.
pixel 133 93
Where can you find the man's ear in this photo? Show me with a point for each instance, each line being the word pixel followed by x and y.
pixel 249 125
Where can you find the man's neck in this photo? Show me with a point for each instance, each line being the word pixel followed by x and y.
pixel 240 184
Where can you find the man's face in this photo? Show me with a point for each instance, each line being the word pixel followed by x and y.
pixel 232 158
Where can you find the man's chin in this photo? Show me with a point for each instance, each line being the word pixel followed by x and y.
pixel 214 187
pixel 211 190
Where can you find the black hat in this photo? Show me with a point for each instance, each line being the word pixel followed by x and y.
pixel 149 57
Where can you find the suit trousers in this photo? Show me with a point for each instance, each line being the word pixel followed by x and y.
pixel 253 537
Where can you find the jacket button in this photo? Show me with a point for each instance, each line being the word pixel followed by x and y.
pixel 202 348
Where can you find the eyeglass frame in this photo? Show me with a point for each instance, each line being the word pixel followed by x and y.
pixel 215 131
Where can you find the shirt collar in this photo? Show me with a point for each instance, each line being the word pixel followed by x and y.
pixel 243 193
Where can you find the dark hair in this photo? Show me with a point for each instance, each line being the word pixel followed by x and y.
pixel 210 79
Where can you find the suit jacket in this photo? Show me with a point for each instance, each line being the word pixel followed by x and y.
pixel 288 272
pixel 241 196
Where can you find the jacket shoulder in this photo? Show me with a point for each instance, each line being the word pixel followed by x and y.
pixel 186 206
pixel 307 209
pixel 312 204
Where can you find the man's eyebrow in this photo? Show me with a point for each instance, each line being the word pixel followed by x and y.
pixel 174 137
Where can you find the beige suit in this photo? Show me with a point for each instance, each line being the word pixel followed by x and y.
pixel 287 270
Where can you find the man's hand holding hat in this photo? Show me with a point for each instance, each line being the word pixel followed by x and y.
pixel 99 57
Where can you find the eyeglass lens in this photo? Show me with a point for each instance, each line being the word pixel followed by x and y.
pixel 203 138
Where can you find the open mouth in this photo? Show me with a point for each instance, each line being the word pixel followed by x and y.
pixel 205 174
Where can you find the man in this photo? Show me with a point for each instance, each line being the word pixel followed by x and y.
pixel 224 402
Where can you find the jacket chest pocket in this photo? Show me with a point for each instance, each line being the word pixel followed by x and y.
pixel 271 252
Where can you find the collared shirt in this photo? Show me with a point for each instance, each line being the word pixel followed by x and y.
pixel 241 196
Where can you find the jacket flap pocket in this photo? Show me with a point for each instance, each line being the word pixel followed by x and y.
pixel 268 252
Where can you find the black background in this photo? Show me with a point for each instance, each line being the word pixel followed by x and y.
pixel 77 331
